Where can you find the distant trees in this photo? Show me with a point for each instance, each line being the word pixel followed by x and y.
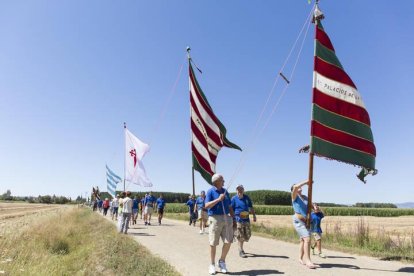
pixel 7 195
pixel 375 205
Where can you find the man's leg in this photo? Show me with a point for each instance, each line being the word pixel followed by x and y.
pixel 224 251
pixel 301 251
pixel 212 254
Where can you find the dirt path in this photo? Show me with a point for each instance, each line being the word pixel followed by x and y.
pixel 183 247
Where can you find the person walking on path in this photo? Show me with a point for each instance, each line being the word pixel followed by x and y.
pixel 115 206
pixel 126 212
pixel 300 206
pixel 201 210
pixel 149 208
pixel 316 218
pixel 135 207
pixel 191 203
pixel 160 208
pixel 105 206
pixel 242 206
pixel 141 206
pixel 221 215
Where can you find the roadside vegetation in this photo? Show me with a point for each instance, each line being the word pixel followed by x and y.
pixel 74 241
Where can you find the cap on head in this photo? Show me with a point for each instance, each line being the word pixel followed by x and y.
pixel 216 177
pixel 202 192
pixel 240 187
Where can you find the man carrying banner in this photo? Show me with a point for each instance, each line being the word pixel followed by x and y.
pixel 221 215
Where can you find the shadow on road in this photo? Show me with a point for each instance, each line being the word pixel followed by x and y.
pixel 251 255
pixel 339 257
pixel 140 234
pixel 256 272
pixel 339 266
pixel 406 269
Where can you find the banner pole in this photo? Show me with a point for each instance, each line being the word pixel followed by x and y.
pixel 124 152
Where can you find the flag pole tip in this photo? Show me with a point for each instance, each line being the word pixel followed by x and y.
pixel 188 49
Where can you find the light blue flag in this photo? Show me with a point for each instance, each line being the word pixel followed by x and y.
pixel 112 180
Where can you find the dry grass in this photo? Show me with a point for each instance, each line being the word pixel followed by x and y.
pixel 74 241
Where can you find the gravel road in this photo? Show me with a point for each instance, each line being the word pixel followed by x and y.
pixel 183 247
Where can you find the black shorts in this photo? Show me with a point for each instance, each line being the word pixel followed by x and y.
pixel 161 211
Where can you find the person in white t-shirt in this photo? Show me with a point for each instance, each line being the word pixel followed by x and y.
pixel 115 205
pixel 126 212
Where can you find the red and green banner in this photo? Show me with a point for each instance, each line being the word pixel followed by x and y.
pixel 341 127
pixel 208 133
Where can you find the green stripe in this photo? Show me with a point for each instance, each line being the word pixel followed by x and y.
pixel 320 25
pixel 204 174
pixel 327 55
pixel 341 123
pixel 222 128
pixel 199 88
pixel 326 149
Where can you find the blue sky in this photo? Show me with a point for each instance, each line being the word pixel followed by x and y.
pixel 71 72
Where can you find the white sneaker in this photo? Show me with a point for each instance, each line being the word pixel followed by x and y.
pixel 222 266
pixel 201 232
pixel 212 269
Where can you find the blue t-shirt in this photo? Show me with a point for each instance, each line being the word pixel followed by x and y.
pixel 316 222
pixel 135 203
pixel 241 208
pixel 190 203
pixel 160 203
pixel 200 202
pixel 300 206
pixel 100 203
pixel 149 201
pixel 212 194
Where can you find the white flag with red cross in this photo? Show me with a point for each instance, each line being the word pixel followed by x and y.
pixel 135 151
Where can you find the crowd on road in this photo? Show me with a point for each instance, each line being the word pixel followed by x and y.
pixel 226 218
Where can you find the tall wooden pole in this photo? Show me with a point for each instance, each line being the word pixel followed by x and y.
pixel 124 152
pixel 189 89
pixel 310 184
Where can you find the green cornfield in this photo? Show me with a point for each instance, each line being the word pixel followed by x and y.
pixel 329 211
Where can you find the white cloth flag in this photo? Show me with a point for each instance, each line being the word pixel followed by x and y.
pixel 135 150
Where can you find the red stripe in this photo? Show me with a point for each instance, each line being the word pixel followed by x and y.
pixel 332 72
pixel 201 100
pixel 213 136
pixel 202 140
pixel 323 38
pixel 340 107
pixel 341 138
pixel 203 162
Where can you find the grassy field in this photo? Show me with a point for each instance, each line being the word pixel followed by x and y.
pixel 73 241
pixel 329 211
pixel 389 239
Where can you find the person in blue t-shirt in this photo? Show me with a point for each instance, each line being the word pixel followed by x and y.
pixel 300 206
pixel 142 206
pixel 242 206
pixel 201 210
pixel 135 207
pixel 316 218
pixel 160 208
pixel 220 221
pixel 149 203
pixel 190 203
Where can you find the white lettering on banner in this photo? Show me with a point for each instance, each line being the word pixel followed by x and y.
pixel 337 90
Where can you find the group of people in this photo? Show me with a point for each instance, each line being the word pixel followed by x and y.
pixel 125 209
pixel 226 218
pixel 231 217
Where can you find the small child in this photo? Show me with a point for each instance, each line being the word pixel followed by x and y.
pixel 316 218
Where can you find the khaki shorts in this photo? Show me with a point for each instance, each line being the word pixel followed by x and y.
pixel 220 226
pixel 202 215
pixel 148 210
pixel 317 236
pixel 243 232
